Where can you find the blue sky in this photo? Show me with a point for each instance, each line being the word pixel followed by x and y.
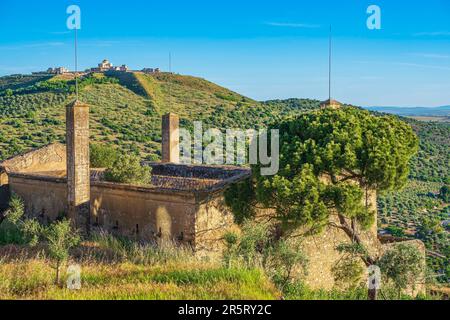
pixel 263 49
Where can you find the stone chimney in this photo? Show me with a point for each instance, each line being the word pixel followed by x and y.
pixel 78 172
pixel 170 138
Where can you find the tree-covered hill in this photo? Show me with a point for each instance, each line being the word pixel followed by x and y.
pixel 433 161
pixel 419 211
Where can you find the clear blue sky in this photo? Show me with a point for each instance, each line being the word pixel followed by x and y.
pixel 263 49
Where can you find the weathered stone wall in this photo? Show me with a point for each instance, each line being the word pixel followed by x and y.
pixel 124 210
pixel 320 250
pixel 213 220
pixel 197 218
pixel 322 254
pixel 200 221
pixel 134 211
pixel 44 198
pixel 48 158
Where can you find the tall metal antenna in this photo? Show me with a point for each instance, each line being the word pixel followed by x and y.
pixel 76 63
pixel 170 79
pixel 329 67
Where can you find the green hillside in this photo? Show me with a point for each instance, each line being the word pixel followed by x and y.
pixel 125 109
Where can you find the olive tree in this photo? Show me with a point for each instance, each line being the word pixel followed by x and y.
pixel 60 238
pixel 15 227
pixel 404 265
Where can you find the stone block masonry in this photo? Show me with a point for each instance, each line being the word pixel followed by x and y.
pixel 170 138
pixel 78 172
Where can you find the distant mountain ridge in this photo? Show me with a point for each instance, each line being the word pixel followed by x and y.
pixel 443 111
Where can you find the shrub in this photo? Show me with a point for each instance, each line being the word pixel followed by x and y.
pixel 128 169
pixel 15 229
pixel 16 210
pixel 395 231
pixel 102 156
pixel 31 231
pixel 445 193
pixel 404 265
pixel 257 247
pixel 285 259
pixel 348 272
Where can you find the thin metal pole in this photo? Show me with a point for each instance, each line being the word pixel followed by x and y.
pixel 76 63
pixel 329 69
pixel 170 79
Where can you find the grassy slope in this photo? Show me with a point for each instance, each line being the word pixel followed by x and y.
pixel 26 273
pixel 33 279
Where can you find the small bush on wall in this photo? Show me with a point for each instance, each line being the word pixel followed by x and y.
pixel 128 169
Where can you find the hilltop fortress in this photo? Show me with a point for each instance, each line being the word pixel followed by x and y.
pixel 103 66
pixel 183 203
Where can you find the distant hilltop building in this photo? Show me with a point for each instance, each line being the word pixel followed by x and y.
pixel 103 66
pixel 123 68
pixel 57 70
pixel 330 103
pixel 151 70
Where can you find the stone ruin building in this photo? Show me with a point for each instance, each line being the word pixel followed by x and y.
pixel 184 203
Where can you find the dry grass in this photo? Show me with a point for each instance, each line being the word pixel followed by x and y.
pixel 33 279
pixel 127 273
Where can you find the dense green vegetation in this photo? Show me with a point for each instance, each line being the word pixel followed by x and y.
pixel 419 210
pixel 329 161
pixel 121 168
pixel 433 161
pixel 126 110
